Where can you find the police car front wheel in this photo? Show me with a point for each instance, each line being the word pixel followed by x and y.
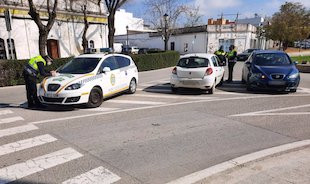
pixel 95 98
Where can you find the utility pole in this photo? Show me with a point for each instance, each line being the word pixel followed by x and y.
pixel 166 32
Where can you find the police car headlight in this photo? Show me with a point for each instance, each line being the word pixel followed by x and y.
pixel 74 86
pixel 293 76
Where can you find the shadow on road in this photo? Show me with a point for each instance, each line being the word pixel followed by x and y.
pixel 239 87
pixel 166 89
pixel 55 108
pixel 232 87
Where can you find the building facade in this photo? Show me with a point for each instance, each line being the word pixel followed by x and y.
pixel 202 39
pixel 65 37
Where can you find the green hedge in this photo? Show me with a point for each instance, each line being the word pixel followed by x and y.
pixel 300 58
pixel 11 71
pixel 154 61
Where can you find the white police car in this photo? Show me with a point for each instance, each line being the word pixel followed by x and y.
pixel 88 79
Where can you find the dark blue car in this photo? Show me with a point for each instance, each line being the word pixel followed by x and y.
pixel 269 69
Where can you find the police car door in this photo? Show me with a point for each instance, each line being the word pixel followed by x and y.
pixel 111 79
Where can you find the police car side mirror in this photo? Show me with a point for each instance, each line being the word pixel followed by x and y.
pixel 105 70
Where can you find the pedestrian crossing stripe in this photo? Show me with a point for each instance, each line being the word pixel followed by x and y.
pixel 4 112
pixel 25 144
pixel 11 120
pixel 17 130
pixel 99 175
pixel 32 166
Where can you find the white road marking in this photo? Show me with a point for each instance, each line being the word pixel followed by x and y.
pixel 168 90
pixel 164 90
pixel 164 105
pixel 304 90
pixel 268 112
pixel 197 176
pixel 99 175
pixel 32 166
pixel 17 130
pixel 174 96
pixel 25 144
pixel 101 109
pixel 154 85
pixel 11 120
pixel 4 112
pixel 136 102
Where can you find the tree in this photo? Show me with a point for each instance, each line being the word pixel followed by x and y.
pixel 43 29
pixel 165 24
pixel 291 23
pixel 112 6
pixel 193 18
pixel 86 26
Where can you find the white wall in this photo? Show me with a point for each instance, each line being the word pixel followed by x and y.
pixel 196 42
pixel 123 19
pixel 26 37
pixel 142 40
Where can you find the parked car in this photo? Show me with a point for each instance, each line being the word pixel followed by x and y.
pixel 130 49
pixel 270 70
pixel 87 79
pixel 200 71
pixel 244 55
pixel 143 50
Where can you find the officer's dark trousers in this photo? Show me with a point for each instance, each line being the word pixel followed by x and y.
pixel 31 88
pixel 230 70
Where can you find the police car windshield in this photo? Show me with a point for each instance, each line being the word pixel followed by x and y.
pixel 272 59
pixel 193 62
pixel 80 66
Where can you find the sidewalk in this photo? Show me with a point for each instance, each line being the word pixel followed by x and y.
pixel 287 168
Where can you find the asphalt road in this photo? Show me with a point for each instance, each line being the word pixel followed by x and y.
pixel 153 136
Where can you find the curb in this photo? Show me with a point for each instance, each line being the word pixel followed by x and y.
pixel 239 161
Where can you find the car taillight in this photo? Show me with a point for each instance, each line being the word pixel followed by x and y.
pixel 174 71
pixel 209 71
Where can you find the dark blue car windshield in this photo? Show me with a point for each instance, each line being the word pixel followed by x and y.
pixel 272 59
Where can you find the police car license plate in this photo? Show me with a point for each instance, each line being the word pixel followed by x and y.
pixel 50 95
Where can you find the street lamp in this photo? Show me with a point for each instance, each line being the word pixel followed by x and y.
pixel 127 35
pixel 165 31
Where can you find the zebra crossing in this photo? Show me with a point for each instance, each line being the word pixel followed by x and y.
pixel 20 169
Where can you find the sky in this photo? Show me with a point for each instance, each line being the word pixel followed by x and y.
pixel 213 8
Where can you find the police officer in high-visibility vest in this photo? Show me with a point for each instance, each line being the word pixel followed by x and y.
pixel 34 68
pixel 232 59
pixel 221 55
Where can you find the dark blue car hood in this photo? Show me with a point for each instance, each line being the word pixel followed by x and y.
pixel 267 70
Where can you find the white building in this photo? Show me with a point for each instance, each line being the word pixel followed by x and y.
pixel 124 19
pixel 207 38
pixel 65 37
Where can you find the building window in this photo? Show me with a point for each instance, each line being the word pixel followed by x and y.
pixel 2 49
pixel 172 45
pixel 11 49
pixel 91 44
